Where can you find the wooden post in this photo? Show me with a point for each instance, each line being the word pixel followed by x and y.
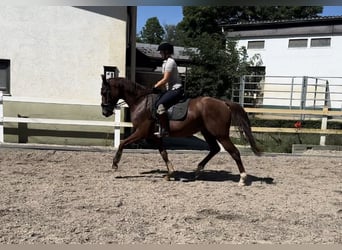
pixel 1 118
pixel 22 130
pixel 324 125
pixel 117 130
pixel 327 103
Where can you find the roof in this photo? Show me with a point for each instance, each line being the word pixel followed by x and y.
pixel 320 20
pixel 150 50
pixel 147 56
pixel 327 25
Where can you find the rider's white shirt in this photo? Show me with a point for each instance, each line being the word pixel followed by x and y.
pixel 169 65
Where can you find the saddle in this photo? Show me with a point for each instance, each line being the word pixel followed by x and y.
pixel 176 112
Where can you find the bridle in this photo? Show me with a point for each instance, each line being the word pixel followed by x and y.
pixel 109 105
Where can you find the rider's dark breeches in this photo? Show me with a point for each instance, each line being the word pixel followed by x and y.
pixel 170 98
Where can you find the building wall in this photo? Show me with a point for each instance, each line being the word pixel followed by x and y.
pixel 280 60
pixel 311 61
pixel 58 52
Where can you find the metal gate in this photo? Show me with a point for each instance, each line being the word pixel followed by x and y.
pixel 291 92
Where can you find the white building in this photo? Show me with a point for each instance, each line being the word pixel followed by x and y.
pixel 56 55
pixel 292 49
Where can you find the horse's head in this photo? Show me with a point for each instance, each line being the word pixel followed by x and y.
pixel 110 96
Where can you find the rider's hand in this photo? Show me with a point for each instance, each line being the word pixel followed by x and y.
pixel 155 90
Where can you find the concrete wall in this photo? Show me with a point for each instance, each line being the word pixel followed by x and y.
pixel 58 52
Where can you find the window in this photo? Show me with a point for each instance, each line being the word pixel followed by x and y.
pixel 256 44
pixel 298 43
pixel 110 71
pixel 320 42
pixel 4 76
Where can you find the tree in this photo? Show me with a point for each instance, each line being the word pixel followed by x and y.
pixel 152 32
pixel 172 34
pixel 215 67
pixel 207 19
pixel 218 63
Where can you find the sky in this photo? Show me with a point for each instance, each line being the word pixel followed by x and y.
pixel 165 14
pixel 173 14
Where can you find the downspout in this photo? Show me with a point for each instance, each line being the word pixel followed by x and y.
pixel 131 43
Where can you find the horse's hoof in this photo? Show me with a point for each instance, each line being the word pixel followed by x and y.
pixel 115 167
pixel 167 178
pixel 198 172
pixel 197 175
pixel 242 183
pixel 243 179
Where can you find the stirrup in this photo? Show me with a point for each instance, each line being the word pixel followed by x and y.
pixel 162 133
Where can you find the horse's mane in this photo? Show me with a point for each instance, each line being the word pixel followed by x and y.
pixel 130 86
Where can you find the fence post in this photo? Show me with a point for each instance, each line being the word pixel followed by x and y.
pixel 242 91
pixel 1 118
pixel 303 95
pixel 291 93
pixel 326 106
pixel 117 131
pixel 324 125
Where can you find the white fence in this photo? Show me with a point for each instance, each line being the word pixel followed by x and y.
pixel 117 124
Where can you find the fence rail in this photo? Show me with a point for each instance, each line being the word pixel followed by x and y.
pixel 322 114
pixel 117 124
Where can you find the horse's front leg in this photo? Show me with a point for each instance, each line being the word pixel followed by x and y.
pixel 164 155
pixel 168 163
pixel 117 158
pixel 130 139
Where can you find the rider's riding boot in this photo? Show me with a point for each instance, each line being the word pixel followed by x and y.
pixel 164 127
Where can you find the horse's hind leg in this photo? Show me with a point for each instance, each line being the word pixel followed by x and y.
pixel 235 153
pixel 214 148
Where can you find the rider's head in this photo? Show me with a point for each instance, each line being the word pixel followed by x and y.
pixel 165 49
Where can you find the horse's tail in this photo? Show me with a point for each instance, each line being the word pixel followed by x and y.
pixel 240 119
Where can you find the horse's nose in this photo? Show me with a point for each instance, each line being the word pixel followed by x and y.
pixel 106 113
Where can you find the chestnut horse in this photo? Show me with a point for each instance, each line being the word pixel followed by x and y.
pixel 210 116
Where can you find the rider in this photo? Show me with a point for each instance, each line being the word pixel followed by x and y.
pixel 173 85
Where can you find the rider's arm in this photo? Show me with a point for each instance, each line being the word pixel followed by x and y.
pixel 164 80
